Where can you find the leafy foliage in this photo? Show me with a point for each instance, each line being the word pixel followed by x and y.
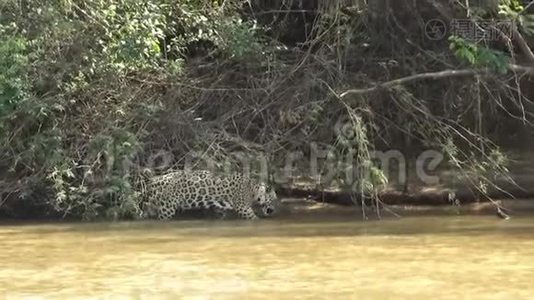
pixel 71 117
pixel 479 56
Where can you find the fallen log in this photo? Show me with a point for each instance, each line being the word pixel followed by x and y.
pixel 428 196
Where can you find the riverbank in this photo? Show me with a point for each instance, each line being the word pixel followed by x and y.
pixel 448 196
pixel 312 210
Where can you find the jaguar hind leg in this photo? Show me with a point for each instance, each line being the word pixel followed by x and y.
pixel 221 209
pixel 167 209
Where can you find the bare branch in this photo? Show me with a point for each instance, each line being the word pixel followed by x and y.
pixel 434 76
pixel 525 9
pixel 417 77
pixel 521 69
pixel 522 44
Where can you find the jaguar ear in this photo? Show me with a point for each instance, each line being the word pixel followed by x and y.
pixel 262 189
pixel 260 192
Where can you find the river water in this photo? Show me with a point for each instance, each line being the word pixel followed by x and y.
pixel 420 257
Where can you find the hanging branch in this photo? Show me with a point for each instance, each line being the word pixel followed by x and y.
pixel 434 76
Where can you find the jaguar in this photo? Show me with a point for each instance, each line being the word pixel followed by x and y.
pixel 178 191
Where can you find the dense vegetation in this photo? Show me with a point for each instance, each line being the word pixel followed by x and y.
pixel 94 92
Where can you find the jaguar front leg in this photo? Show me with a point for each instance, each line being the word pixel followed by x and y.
pixel 221 214
pixel 247 213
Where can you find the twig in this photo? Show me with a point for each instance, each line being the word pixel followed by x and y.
pixel 520 41
pixel 281 11
pixel 524 11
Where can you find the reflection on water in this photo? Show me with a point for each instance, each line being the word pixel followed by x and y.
pixel 417 257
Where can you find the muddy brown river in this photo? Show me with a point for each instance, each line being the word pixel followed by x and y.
pixel 418 257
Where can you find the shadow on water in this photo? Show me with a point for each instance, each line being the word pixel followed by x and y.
pixel 320 225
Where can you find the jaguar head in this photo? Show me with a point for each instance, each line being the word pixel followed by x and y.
pixel 267 201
